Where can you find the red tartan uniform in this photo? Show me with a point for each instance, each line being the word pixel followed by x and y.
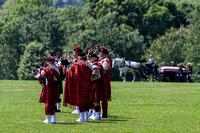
pixel 43 94
pixel 50 93
pixel 97 86
pixel 107 86
pixel 77 85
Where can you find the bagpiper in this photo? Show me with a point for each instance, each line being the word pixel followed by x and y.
pixel 76 52
pixel 77 86
pixel 97 86
pixel 50 92
pixel 189 72
pixel 59 82
pixel 104 59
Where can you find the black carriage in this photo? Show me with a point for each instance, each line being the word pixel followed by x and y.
pixel 150 72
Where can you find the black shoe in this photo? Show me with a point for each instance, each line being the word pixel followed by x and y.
pixel 58 110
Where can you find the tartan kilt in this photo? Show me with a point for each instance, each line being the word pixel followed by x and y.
pixel 107 86
pixel 52 96
pixel 70 92
pixel 43 94
pixel 60 85
pixel 77 86
pixel 96 91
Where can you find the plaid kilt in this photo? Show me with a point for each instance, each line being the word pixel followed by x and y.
pixel 43 94
pixel 96 91
pixel 107 86
pixel 77 86
pixel 62 76
pixel 52 91
pixel 97 86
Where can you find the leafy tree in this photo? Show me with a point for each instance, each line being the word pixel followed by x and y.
pixel 180 45
pixel 31 59
pixel 38 24
pixel 6 9
pixel 169 47
pixel 68 17
pixel 2 2
pixel 8 63
pixel 58 3
pixel 157 20
pixel 105 32
pixel 145 15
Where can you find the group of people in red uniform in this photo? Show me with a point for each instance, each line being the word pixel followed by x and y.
pixel 87 85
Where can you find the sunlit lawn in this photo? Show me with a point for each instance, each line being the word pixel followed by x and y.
pixel 135 107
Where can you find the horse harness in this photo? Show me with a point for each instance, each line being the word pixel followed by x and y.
pixel 129 65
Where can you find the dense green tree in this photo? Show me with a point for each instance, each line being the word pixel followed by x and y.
pixel 8 65
pixel 145 15
pixel 169 47
pixel 23 6
pixel 58 3
pixel 105 32
pixel 40 24
pixel 68 17
pixel 63 3
pixel 6 9
pixel 180 45
pixel 32 58
pixel 2 2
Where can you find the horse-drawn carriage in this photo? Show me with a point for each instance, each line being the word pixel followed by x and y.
pixel 145 73
pixel 150 72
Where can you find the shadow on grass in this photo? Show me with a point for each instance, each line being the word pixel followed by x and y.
pixel 112 119
pixel 64 112
pixel 119 118
pixel 67 123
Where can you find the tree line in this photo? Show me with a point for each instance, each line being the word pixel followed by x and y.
pixel 31 29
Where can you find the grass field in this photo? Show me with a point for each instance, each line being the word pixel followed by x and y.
pixel 135 107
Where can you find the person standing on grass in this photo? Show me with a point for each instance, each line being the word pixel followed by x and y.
pixel 77 87
pixel 76 52
pixel 180 73
pixel 97 86
pixel 104 60
pixel 59 82
pixel 189 72
pixel 50 95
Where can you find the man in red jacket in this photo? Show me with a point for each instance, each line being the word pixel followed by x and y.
pixel 97 86
pixel 105 62
pixel 50 93
pixel 77 85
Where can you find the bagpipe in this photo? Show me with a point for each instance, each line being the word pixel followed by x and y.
pixel 66 59
pixel 37 71
pixel 50 61
pixel 89 52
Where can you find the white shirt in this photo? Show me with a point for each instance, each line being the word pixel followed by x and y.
pixel 105 63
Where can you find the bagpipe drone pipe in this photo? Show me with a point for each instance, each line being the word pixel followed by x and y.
pixel 50 61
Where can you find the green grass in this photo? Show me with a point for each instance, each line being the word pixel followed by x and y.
pixel 135 107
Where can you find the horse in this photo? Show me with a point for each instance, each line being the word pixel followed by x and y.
pixel 126 66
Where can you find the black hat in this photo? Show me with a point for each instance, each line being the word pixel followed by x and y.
pixel 103 50
pixel 48 59
pixel 78 50
pixel 53 54
pixel 82 54
pixel 94 55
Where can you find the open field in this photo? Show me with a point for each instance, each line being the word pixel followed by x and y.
pixel 135 107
